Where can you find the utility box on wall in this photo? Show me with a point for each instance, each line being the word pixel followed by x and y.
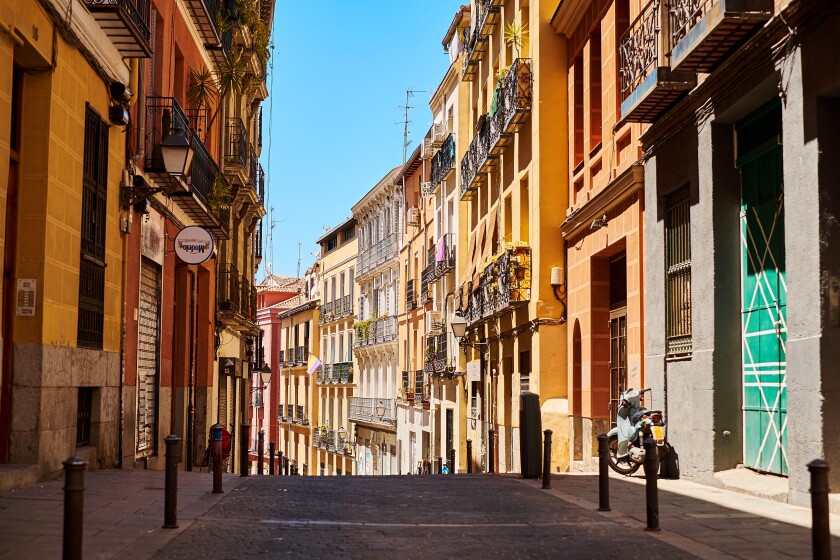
pixel 530 445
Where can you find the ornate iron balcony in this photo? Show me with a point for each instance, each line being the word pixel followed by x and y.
pixel 373 411
pixel 444 161
pixel 236 145
pixel 126 23
pixel 516 94
pixel 410 301
pixel 447 263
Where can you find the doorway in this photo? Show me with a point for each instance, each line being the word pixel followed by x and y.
pixel 618 331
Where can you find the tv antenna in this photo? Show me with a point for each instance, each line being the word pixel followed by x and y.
pixel 271 223
pixel 409 93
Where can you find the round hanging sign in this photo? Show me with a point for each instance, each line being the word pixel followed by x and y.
pixel 194 245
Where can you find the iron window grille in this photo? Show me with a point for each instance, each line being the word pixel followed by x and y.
pixel 678 273
pixel 84 413
pixel 92 260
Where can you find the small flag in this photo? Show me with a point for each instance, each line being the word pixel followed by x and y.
pixel 314 367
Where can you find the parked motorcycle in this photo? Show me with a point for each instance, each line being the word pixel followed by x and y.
pixel 634 423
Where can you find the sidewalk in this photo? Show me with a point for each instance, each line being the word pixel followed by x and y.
pixel 701 520
pixel 123 514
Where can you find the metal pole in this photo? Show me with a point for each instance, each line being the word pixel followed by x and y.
pixel 260 452
pixel 244 431
pixel 820 530
pixel 451 461
pixel 547 460
pixel 469 456
pixel 170 501
pixel 216 453
pixel 603 473
pixel 439 468
pixel 491 451
pixel 74 505
pixel 270 458
pixel 286 465
pixel 280 462
pixel 651 490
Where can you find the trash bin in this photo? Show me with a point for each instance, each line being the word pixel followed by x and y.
pixel 530 435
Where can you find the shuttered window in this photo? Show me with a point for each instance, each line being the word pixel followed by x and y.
pixel 148 358
pixel 678 273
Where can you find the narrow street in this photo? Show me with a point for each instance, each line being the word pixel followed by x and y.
pixel 464 516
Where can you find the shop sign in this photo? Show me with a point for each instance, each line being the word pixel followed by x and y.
pixel 194 245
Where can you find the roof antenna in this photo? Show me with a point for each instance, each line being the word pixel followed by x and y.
pixel 406 122
pixel 298 272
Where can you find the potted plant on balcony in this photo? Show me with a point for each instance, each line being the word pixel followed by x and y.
pixel 220 196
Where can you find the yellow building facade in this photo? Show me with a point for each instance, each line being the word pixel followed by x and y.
pixel 333 435
pixel 512 175
pixel 61 166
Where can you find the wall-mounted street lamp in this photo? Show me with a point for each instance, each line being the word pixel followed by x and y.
pixel 380 408
pixel 459 329
pixel 177 152
pixel 265 377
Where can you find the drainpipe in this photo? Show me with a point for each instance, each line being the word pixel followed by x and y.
pixel 191 392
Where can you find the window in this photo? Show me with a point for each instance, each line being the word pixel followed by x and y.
pixel 349 233
pixel 332 242
pixel 92 261
pixel 678 273
pixel 595 88
pixel 84 412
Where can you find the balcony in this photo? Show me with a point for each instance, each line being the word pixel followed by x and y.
pixel 410 297
pixel 373 411
pixel 204 13
pixel 446 252
pixel 338 373
pixel 427 189
pixel 195 193
pixel 326 313
pixel 258 236
pixel 300 417
pixel 503 284
pixel 516 93
pixel 236 298
pixel 648 85
pixel 487 15
pixel 237 147
pixel 437 355
pixel 704 32
pixel 301 356
pixel 443 162
pixel 126 23
pixel 426 278
pixel 376 254
pixel 281 358
pixel 375 331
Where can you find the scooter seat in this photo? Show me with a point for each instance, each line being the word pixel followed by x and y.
pixel 638 416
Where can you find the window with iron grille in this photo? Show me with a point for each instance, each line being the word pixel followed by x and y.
pixel 92 260
pixel 678 273
pixel 84 412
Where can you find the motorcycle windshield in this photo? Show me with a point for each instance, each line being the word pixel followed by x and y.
pixel 626 431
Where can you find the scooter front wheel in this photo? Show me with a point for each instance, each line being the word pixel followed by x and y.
pixel 622 466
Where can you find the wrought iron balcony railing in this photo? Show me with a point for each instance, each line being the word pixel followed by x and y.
pixel 373 410
pixel 447 263
pixel 444 160
pixel 126 23
pixel 236 146
pixel 410 301
pixel 648 85
pixel 426 278
pixel 347 306
pixel 204 14
pixel 703 32
pixel 301 355
pixel 504 283
pixel 516 94
pixel 261 186
pixel 258 237
pixel 281 357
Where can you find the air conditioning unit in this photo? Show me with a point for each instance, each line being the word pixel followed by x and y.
pixel 439 133
pixel 412 216
pixel 434 323
pixel 429 150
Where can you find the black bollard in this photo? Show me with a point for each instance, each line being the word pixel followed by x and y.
pixel 491 451
pixel 651 490
pixel 820 530
pixel 286 466
pixel 74 507
pixel 451 461
pixel 439 466
pixel 244 432
pixel 270 458
pixel 216 452
pixel 260 452
pixel 603 473
pixel 170 499
pixel 547 460
pixel 469 456
pixel 280 463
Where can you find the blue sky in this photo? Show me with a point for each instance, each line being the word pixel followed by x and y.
pixel 341 71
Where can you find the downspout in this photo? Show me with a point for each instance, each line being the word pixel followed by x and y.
pixel 191 393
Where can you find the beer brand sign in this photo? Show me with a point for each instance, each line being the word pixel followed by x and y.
pixel 194 245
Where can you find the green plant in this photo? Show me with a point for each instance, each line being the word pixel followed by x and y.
pixel 202 90
pixel 220 195
pixel 515 36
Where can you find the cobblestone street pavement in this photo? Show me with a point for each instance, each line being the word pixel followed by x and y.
pixel 406 517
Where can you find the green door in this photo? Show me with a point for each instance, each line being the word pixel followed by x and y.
pixel 763 291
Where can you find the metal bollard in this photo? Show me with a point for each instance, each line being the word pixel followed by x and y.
pixel 491 451
pixel 439 465
pixel 244 432
pixel 547 460
pixel 651 490
pixel 469 456
pixel 603 473
pixel 216 453
pixel 451 461
pixel 286 466
pixel 820 530
pixel 74 507
pixel 270 458
pixel 260 452
pixel 280 463
pixel 170 500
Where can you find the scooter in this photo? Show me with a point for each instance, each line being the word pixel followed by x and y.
pixel 635 423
